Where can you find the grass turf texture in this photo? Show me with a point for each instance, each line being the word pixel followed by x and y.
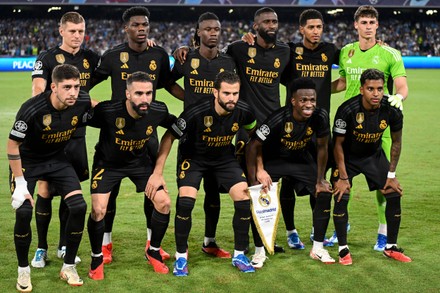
pixel 291 271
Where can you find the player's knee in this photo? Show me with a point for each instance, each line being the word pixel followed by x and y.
pixel 239 192
pixel 162 202
pixel 77 205
pixel 24 213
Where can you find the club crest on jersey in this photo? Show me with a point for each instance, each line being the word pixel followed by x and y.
pixel 324 57
pixel 60 58
pixel 123 56
pixel 86 64
pixel 376 59
pixel 235 127
pixel 309 131
pixel 153 65
pixel 149 130
pixel 383 124
pixel 299 51
pixel 252 52
pixel 47 119
pixel 277 63
pixel 120 122
pixel 74 120
pixel 195 63
pixel 288 127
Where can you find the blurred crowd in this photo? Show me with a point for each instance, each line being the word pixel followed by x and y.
pixel 31 36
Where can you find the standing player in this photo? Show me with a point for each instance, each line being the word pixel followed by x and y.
pixel 260 67
pixel 43 127
pixel 207 129
pixel 356 58
pixel 126 129
pixel 118 63
pixel 359 125
pixel 280 149
pixel 199 71
pixel 72 31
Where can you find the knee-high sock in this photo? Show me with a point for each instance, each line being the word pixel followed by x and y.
pixel 211 206
pixel 240 223
pixel 43 215
pixel 74 226
pixel 258 242
pixel 111 208
pixel 321 215
pixel 159 222
pixel 340 219
pixel 23 233
pixel 182 222
pixel 96 232
pixel 148 211
pixel 63 214
pixel 393 213
pixel 287 203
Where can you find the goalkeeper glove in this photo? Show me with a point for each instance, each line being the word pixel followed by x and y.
pixel 20 191
pixel 396 101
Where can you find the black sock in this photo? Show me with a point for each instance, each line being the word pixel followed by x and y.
pixel 111 208
pixel 63 214
pixel 43 215
pixel 148 210
pixel 154 254
pixel 258 242
pixel 159 222
pixel 182 222
pixel 23 233
pixel 240 223
pixel 321 215
pixel 74 226
pixel 96 261
pixel 96 233
pixel 340 219
pixel 211 206
pixel 287 203
pixel 393 214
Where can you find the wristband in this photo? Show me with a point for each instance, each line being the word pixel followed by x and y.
pixel 391 175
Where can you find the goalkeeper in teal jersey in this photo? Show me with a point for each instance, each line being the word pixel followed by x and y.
pixel 354 59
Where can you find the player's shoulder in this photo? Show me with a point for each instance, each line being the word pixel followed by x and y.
pixel 34 105
pixel 110 106
pixel 115 50
pixel 321 114
pixel 388 50
pixel 242 105
pixel 350 46
pixel 158 106
pixel 351 105
pixel 197 108
pixel 282 45
pixel 88 53
pixel 158 49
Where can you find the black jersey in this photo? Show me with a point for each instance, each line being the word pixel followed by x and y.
pixel 260 74
pixel 206 135
pixel 316 64
pixel 363 129
pixel 123 139
pixel 284 137
pixel 199 74
pixel 45 131
pixel 85 60
pixel 121 61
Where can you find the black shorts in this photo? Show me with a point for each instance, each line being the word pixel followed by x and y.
pixel 227 172
pixel 104 179
pixel 60 174
pixel 302 176
pixel 76 153
pixel 375 168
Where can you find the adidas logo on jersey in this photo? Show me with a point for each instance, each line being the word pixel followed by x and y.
pixel 359 126
pixel 120 132
pixel 47 128
pixel 299 57
pixel 207 130
pixel 124 66
pixel 194 72
pixel 252 61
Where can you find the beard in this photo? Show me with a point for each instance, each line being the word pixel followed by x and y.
pixel 266 37
pixel 228 106
pixel 138 110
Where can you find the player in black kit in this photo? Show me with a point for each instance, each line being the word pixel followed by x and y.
pixel 118 63
pixel 126 129
pixel 206 131
pixel 72 31
pixel 43 127
pixel 280 149
pixel 358 128
pixel 199 71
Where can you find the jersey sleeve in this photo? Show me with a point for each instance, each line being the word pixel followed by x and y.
pixel 95 117
pixel 41 67
pixel 397 68
pixel 340 122
pixel 165 72
pixel 396 119
pixel 323 123
pixel 23 123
